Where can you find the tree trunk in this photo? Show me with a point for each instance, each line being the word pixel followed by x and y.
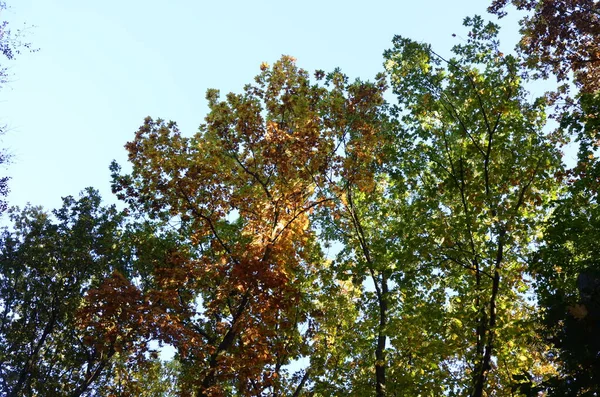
pixel 484 366
pixel 381 339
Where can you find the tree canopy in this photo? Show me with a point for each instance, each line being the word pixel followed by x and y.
pixel 417 234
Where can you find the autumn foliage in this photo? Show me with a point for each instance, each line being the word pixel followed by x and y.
pixel 319 236
pixel 243 190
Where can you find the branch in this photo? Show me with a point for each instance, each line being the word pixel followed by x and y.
pixel 314 204
pixel 302 383
pixel 254 175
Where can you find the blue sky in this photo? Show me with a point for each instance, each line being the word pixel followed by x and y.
pixel 104 66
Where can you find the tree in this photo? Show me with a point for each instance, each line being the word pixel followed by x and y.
pixel 377 227
pixel 560 37
pixel 567 263
pixel 490 172
pixel 433 206
pixel 244 299
pixel 566 269
pixel 47 263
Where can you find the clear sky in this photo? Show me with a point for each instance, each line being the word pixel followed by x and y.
pixel 105 65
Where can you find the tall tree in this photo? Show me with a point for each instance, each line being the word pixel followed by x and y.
pixel 567 264
pixel 490 172
pixel 242 301
pixel 567 270
pixel 47 263
pixel 561 38
pixel 376 226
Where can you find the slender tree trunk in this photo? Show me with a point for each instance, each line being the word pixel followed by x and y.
pixel 490 332
pixel 382 296
pixel 484 366
pixel 380 365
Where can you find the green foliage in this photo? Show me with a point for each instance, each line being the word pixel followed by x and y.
pixel 48 262
pixel 560 38
pixel 312 239
pixel 487 176
pixel 567 267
